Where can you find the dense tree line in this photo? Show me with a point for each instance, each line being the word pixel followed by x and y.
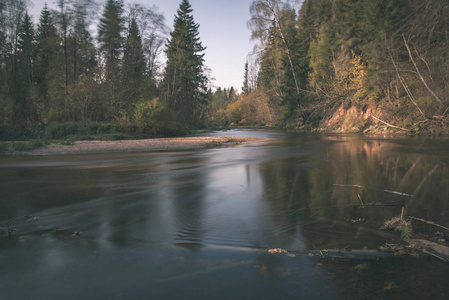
pixel 384 59
pixel 347 63
pixel 56 72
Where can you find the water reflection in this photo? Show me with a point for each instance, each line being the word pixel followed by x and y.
pixel 138 224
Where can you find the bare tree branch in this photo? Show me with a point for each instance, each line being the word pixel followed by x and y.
pixel 419 73
pixel 406 88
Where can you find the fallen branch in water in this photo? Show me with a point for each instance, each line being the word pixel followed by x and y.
pixel 390 125
pixel 398 193
pixel 363 187
pixel 384 252
pixel 360 198
pixel 350 185
pixel 430 223
pixel 346 205
pixel 436 250
pixel 356 254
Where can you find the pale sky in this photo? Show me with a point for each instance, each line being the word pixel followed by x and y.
pixel 223 30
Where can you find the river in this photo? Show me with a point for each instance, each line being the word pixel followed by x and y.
pixel 199 224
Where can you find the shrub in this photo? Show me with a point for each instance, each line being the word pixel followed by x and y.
pixel 401 225
pixel 219 118
pixel 354 122
pixel 154 117
pixel 23 146
pixel 60 130
pixel 7 133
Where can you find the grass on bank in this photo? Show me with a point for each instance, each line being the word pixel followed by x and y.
pixel 22 145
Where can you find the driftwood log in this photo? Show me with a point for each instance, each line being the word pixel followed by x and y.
pixel 437 250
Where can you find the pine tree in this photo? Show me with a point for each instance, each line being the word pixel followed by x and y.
pixel 110 34
pixel 184 81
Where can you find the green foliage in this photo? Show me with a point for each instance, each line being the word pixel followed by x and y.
pixel 56 131
pixel 354 122
pixel 52 85
pixel 401 225
pixel 152 117
pixel 24 146
pixel 219 118
pixel 7 133
pixel 60 130
pixel 4 146
pixel 321 50
pixel 251 110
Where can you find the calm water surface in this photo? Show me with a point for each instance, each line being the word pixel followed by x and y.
pixel 198 224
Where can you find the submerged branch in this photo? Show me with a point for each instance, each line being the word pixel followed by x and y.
pixel 398 193
pixel 430 223
pixel 363 187
pixel 436 250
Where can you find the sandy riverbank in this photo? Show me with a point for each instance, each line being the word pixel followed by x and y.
pixel 158 144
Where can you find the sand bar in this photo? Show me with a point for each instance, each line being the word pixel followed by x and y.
pixel 157 144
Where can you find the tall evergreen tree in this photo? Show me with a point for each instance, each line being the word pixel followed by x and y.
pixel 110 34
pixel 24 79
pixel 270 71
pixel 133 63
pixel 245 87
pixel 2 52
pixel 26 50
pixel 11 17
pixel 185 82
pixel 47 52
pixel 62 19
pixel 82 50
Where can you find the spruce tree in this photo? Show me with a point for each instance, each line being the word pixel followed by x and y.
pixel 185 82
pixel 245 88
pixel 26 50
pixel 24 77
pixel 47 52
pixel 110 34
pixel 270 72
pixel 82 50
pixel 3 76
pixel 62 19
pixel 133 63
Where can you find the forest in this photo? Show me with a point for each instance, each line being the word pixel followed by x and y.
pixel 349 65
pixel 346 65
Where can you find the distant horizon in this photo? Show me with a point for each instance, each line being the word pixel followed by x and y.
pixel 227 40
